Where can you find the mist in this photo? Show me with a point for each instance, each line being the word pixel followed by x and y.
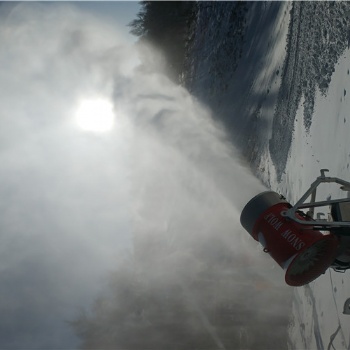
pixel 108 237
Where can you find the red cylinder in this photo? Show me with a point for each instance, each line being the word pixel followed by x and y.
pixel 304 254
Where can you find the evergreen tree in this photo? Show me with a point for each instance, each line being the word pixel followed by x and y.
pixel 164 24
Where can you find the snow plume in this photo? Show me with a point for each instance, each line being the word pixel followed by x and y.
pixel 152 206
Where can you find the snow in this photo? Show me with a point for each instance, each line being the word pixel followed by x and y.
pixel 276 74
pixel 318 307
pixel 325 146
pixel 289 142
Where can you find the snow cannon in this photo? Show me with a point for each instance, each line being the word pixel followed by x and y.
pixel 303 254
pixel 297 236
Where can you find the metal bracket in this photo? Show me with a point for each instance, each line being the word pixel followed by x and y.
pixel 318 224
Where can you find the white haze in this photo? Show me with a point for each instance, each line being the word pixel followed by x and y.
pixel 73 202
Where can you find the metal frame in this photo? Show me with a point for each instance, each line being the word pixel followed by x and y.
pixel 319 224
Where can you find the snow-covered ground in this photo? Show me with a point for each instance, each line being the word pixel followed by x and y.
pixel 318 321
pixel 292 89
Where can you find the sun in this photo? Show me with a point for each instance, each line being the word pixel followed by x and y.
pixel 95 115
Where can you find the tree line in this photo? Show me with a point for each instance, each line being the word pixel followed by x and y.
pixel 165 25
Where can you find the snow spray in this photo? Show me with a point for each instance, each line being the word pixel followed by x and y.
pixel 165 184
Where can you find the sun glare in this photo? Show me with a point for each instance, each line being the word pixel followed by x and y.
pixel 95 115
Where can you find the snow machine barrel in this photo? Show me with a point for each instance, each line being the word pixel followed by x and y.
pixel 304 254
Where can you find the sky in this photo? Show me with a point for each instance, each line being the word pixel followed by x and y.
pixel 101 154
pixel 57 180
pixel 120 13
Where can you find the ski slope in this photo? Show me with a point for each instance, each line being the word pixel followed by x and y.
pixel 288 104
pixel 317 320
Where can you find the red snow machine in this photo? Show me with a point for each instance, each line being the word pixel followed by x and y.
pixel 304 246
